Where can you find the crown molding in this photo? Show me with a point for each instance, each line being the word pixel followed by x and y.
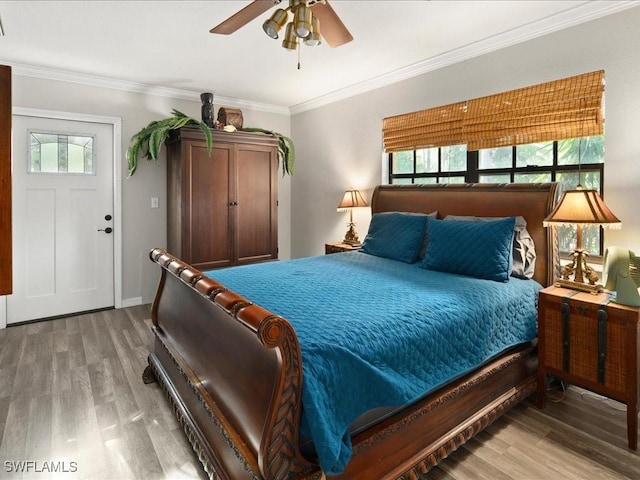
pixel 586 12
pixel 127 86
pixel 575 16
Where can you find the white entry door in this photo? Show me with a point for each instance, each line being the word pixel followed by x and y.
pixel 63 206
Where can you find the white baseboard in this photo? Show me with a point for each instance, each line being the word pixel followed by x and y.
pixel 3 312
pixel 131 302
pixel 127 302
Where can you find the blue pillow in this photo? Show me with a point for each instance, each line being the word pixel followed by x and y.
pixel 395 235
pixel 476 249
pixel 523 263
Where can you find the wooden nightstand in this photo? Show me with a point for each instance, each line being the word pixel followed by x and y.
pixel 339 247
pixel 590 342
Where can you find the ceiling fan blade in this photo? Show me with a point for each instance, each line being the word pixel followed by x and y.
pixel 331 27
pixel 244 16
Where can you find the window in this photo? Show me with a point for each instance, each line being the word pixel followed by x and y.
pixel 507 137
pixel 59 153
pixel 429 165
pixel 554 161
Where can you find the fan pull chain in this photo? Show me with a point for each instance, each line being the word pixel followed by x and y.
pixel 299 56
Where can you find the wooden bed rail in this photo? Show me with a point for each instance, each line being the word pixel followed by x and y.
pixel 260 423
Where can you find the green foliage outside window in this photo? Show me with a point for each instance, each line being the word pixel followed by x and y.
pixel 569 162
pixel 403 162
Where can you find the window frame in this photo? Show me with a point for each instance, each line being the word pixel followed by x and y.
pixel 473 173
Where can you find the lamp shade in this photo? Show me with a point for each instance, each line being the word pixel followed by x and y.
pixel 582 207
pixel 352 198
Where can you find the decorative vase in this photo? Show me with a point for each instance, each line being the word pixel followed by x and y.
pixel 207 108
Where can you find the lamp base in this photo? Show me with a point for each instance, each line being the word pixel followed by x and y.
pixel 351 237
pixel 583 287
pixel 579 268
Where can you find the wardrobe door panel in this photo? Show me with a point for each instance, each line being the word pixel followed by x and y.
pixel 210 198
pixel 257 199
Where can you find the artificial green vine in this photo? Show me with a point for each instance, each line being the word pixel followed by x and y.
pixel 148 141
pixel 286 150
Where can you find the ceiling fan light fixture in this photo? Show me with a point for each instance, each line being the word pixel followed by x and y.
pixel 334 32
pixel 273 25
pixel 302 21
pixel 314 37
pixel 290 41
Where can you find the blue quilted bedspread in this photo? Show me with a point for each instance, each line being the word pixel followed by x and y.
pixel 376 332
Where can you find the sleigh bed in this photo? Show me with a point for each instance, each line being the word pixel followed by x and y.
pixel 233 370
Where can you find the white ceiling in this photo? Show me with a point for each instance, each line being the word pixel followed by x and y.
pixel 167 44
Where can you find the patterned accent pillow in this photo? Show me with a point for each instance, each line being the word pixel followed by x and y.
pixel 472 248
pixel 425 240
pixel 395 235
pixel 524 250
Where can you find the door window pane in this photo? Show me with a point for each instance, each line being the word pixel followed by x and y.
pixel 61 153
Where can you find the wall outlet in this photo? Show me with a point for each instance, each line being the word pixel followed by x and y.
pixel 154 202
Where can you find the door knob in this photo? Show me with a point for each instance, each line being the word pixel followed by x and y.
pixel 106 230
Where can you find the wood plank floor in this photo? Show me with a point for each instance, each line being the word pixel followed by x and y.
pixel 73 406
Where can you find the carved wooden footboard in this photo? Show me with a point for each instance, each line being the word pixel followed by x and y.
pixel 232 370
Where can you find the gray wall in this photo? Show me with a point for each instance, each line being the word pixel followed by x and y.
pixel 340 145
pixel 142 227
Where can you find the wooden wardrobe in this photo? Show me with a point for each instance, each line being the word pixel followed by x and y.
pixel 222 206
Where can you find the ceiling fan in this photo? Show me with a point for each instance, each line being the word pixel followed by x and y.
pixel 308 17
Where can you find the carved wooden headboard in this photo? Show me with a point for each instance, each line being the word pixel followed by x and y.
pixel 533 201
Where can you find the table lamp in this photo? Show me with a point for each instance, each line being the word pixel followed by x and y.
pixel 352 199
pixel 581 208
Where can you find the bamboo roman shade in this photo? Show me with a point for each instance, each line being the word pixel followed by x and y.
pixel 567 108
